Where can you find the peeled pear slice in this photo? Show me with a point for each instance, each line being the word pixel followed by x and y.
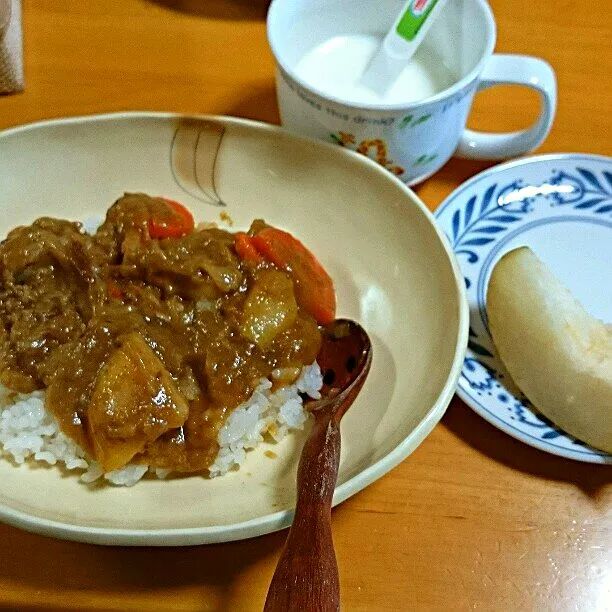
pixel 557 354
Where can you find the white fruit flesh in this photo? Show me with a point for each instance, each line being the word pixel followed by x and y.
pixel 558 354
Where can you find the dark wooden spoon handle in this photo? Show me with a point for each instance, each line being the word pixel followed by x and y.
pixel 306 577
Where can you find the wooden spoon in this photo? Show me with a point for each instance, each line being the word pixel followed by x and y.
pixel 306 577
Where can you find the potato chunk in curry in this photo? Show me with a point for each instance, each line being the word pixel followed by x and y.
pixel 133 402
pixel 270 308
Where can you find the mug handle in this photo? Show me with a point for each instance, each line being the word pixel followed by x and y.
pixel 531 72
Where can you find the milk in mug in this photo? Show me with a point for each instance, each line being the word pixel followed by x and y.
pixel 336 65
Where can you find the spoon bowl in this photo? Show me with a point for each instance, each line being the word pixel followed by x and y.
pixel 306 577
pixel 344 358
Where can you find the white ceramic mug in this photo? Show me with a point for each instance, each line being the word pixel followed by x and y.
pixel 413 139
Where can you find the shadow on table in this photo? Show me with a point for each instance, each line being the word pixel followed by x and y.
pixel 485 438
pixel 219 9
pixel 455 172
pixel 260 104
pixel 37 565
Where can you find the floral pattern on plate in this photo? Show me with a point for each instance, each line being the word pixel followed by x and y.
pixel 561 207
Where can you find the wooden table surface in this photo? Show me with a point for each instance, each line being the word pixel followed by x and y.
pixel 474 518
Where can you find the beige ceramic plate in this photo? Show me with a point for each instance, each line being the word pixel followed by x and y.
pixel 393 269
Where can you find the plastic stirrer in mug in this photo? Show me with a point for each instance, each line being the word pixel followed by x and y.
pixel 400 44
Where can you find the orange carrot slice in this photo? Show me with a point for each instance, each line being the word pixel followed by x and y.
pixel 179 224
pixel 245 248
pixel 314 289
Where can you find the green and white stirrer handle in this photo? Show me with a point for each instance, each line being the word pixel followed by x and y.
pixel 400 44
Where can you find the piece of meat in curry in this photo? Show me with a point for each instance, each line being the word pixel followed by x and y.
pixel 148 333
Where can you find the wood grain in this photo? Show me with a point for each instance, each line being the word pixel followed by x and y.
pixel 306 576
pixel 472 519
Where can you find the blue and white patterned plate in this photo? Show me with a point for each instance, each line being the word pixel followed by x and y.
pixel 561 207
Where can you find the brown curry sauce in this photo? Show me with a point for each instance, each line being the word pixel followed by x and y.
pixel 144 345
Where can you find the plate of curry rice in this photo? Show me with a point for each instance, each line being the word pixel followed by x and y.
pixel 164 280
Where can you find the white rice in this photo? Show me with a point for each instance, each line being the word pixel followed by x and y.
pixel 29 433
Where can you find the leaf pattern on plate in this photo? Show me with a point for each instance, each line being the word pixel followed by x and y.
pixel 477 230
pixel 588 190
pixel 497 210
